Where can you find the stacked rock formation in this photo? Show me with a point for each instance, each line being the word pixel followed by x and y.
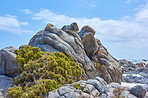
pixel 83 47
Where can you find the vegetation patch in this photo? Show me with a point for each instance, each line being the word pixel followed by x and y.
pixel 77 86
pixel 98 66
pixel 41 72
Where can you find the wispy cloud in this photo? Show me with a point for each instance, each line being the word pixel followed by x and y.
pixel 27 11
pixel 90 3
pixel 12 24
pixel 129 1
pixel 130 30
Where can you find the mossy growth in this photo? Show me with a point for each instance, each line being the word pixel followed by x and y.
pixel 44 73
pixel 77 86
pixel 98 66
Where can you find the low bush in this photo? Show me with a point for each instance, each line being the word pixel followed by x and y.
pixel 41 72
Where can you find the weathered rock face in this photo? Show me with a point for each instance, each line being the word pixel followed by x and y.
pixel 52 39
pixel 89 41
pixel 111 70
pixel 7 56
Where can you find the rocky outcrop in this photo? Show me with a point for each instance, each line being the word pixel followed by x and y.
pixel 83 47
pixel 92 88
pixel 7 66
pixel 110 69
pixel 52 39
pixel 88 89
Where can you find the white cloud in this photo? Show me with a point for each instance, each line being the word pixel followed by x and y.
pixel 27 11
pixel 129 33
pixel 130 1
pixel 92 5
pixel 12 24
pixel 131 30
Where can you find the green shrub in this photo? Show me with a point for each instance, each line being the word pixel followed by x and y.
pixel 77 86
pixel 43 73
pixel 98 66
pixel 27 54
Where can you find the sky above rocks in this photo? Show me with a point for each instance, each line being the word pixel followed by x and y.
pixel 121 25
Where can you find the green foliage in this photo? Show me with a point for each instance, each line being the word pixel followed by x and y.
pixel 77 86
pixel 43 73
pixel 27 54
pixel 98 66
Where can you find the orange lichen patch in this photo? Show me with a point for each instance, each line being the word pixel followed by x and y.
pixel 98 41
pixel 117 91
pixel 50 25
pixel 72 31
pixel 99 52
pixel 66 30
pixel 24 45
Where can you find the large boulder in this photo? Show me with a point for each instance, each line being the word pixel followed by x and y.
pixel 7 66
pixel 138 90
pixel 89 41
pixel 110 69
pixel 52 39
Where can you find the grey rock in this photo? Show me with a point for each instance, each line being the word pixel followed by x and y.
pixel 86 29
pixel 98 53
pixel 7 56
pixel 72 95
pixel 101 81
pixel 84 95
pixel 89 41
pixel 95 93
pixel 5 83
pixel 2 93
pixel 103 95
pixel 63 90
pixel 115 85
pixel 62 97
pixel 53 94
pixel 96 84
pixel 88 88
pixel 72 27
pixel 52 39
pixel 138 90
pixel 111 70
pixel 124 94
pixel 131 96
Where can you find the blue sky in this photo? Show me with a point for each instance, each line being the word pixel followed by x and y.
pixel 121 25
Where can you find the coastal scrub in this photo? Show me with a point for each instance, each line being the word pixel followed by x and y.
pixel 41 72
